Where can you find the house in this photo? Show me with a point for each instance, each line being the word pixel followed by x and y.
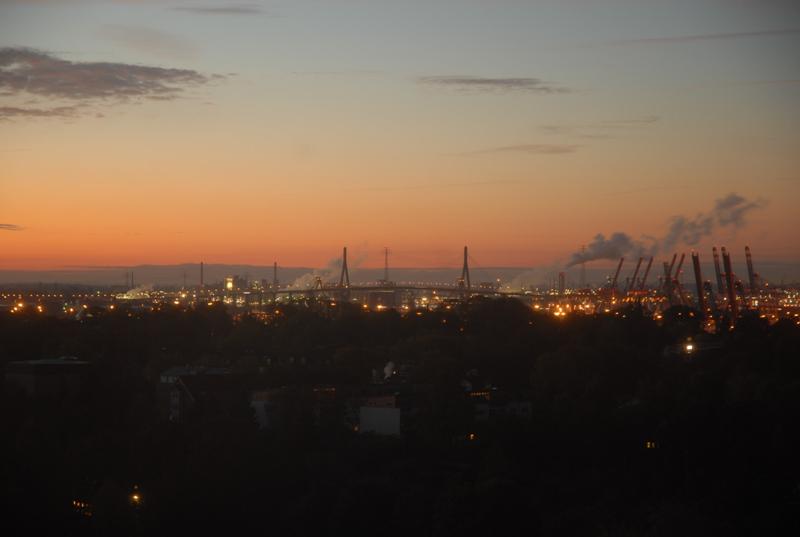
pixel 385 409
pixel 284 407
pixel 209 394
pixel 59 377
pixel 182 388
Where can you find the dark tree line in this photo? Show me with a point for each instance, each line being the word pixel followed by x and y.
pixel 624 438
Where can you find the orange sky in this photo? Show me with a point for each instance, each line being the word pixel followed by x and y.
pixel 301 153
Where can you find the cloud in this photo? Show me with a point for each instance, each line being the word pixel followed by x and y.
pixel 777 82
pixel 148 40
pixel 10 227
pixel 706 37
pixel 627 123
pixel 27 71
pixel 471 84
pixel 236 9
pixel 728 212
pixel 530 149
pixel 600 129
pixel 458 184
pixel 7 112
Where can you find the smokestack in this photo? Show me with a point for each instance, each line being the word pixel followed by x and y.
pixel 726 260
pixel 750 273
pixel 616 274
pixel 632 282
pixel 646 273
pixel 698 280
pixel 202 281
pixel 720 287
pixel 132 285
pixel 386 264
pixel 274 282
pixel 562 283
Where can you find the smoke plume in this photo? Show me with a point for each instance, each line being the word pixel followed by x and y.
pixel 728 212
pixel 327 274
pixel 331 272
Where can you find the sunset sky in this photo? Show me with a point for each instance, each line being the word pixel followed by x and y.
pixel 163 132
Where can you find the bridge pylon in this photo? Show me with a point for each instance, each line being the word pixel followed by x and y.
pixel 463 282
pixel 344 277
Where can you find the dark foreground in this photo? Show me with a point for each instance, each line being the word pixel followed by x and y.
pixel 626 435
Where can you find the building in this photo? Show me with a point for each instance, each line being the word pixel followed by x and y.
pixel 286 407
pixel 380 415
pixel 218 395
pixel 57 377
pixel 179 390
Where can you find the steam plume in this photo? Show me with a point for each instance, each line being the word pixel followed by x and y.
pixel 730 211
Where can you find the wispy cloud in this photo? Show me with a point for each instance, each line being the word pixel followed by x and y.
pixel 33 72
pixel 776 82
pixel 530 149
pixel 458 184
pixel 627 123
pixel 148 40
pixel 600 129
pixel 473 84
pixel 10 227
pixel 235 9
pixel 707 37
pixel 7 112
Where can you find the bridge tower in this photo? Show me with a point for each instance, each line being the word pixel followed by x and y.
pixel 344 278
pixel 464 283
